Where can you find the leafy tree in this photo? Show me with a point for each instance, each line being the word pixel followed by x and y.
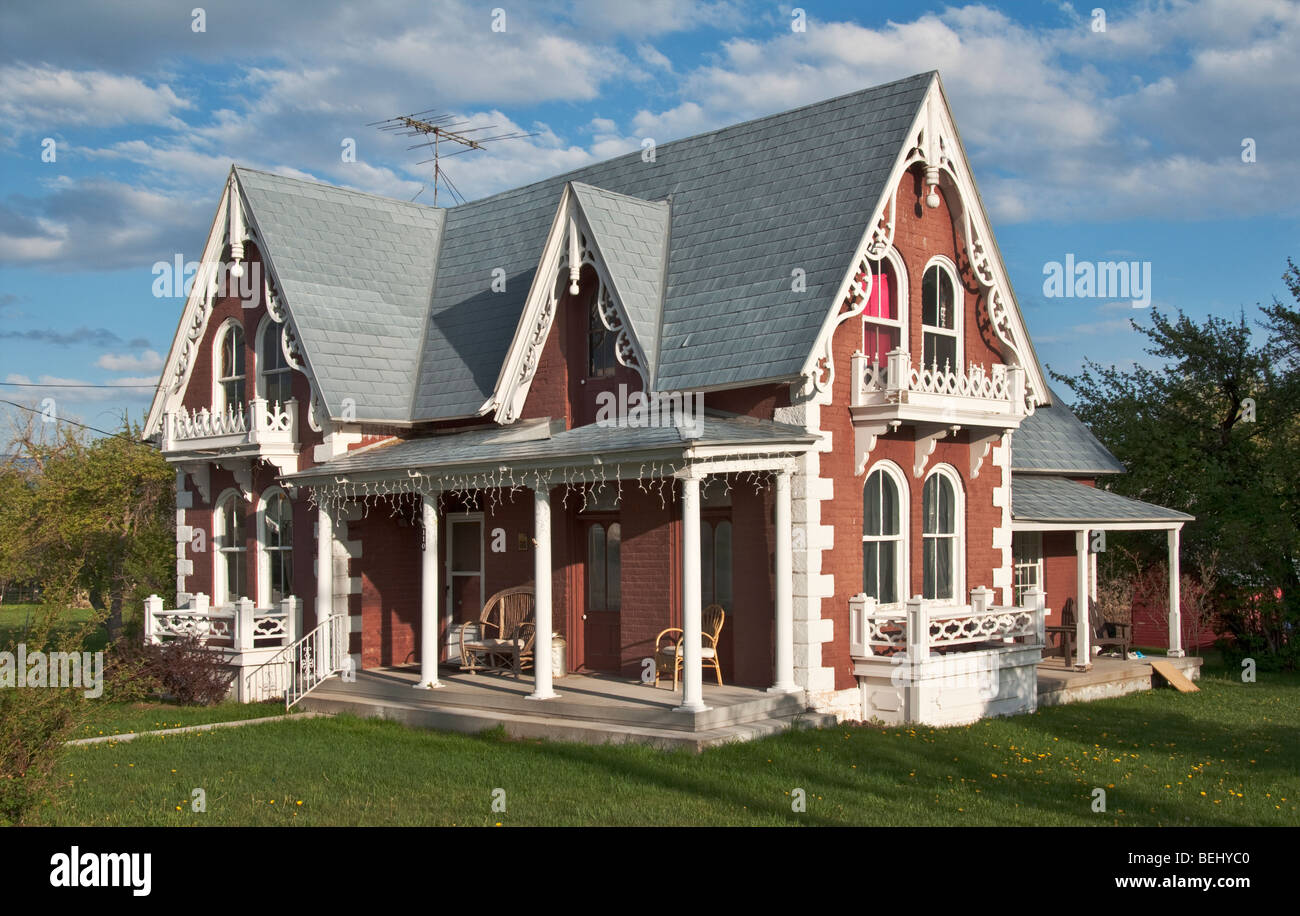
pixel 1214 431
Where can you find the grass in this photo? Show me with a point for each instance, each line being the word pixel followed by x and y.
pixel 1224 756
pixel 109 718
pixel 15 619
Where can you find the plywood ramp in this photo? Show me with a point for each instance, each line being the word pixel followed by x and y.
pixel 1173 676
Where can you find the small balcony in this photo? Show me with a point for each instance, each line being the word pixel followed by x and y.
pixel 900 391
pixel 264 428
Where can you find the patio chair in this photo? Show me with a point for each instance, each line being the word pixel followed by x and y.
pixel 1065 633
pixel 1106 633
pixel 668 656
pixel 504 637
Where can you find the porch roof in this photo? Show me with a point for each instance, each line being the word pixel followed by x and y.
pixel 1057 500
pixel 543 443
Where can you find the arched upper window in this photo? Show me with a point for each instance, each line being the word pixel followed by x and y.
pixel 275 540
pixel 715 563
pixel 230 367
pixel 941 554
pixel 230 549
pixel 884 320
pixel 884 527
pixel 274 377
pixel 604 567
pixel 941 316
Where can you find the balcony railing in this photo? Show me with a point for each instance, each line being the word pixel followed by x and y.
pixel 998 390
pixel 921 627
pixel 264 424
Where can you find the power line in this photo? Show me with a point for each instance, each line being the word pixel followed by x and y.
pixel 95 429
pixel 67 385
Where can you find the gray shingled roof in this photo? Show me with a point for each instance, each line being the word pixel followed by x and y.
pixel 750 203
pixel 357 272
pixel 1054 440
pixel 494 446
pixel 632 237
pixel 1055 499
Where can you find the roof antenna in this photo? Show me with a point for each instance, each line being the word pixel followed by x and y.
pixel 434 128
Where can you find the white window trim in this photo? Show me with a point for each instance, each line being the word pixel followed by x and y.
pixel 218 344
pixel 959 309
pixel 901 305
pixel 1036 537
pixel 263 551
pixel 903 561
pixel 958 537
pixel 260 386
pixel 219 569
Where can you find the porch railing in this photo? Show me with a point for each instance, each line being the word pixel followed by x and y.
pixel 297 669
pixel 921 627
pixel 236 627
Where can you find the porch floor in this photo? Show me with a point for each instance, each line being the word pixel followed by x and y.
pixel 590 708
pixel 1109 677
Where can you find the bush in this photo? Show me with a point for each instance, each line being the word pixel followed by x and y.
pixel 1263 627
pixel 181 670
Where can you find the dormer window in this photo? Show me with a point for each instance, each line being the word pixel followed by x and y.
pixel 275 376
pixel 230 367
pixel 601 343
pixel 940 318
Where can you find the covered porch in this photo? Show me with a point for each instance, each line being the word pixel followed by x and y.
pixel 542 470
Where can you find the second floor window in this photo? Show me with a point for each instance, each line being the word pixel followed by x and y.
pixel 882 325
pixel 939 319
pixel 600 342
pixel 230 370
pixel 277 377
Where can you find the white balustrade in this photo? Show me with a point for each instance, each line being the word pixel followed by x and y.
pixel 998 388
pixel 262 423
pixel 921 627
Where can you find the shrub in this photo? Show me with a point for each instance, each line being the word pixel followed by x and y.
pixel 182 670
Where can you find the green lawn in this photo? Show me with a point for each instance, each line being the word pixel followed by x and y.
pixel 107 718
pixel 1226 755
pixel 15 618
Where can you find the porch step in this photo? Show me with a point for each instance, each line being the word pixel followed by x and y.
pixel 466 720
pixel 574 702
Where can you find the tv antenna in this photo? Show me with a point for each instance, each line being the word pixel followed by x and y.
pixel 435 128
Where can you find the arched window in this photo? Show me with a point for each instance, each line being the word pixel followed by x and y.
pixel 230 549
pixel 230 367
pixel 940 536
pixel 604 567
pixel 601 341
pixel 940 317
pixel 883 535
pixel 275 538
pixel 882 319
pixel 275 378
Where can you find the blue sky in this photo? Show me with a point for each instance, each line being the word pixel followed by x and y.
pixel 1117 144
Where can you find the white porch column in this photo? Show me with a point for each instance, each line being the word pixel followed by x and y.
pixel 1083 624
pixel 542 684
pixel 783 677
pixel 1175 601
pixel 692 625
pixel 430 612
pixel 324 576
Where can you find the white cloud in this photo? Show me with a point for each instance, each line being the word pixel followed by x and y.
pixel 43 97
pixel 148 361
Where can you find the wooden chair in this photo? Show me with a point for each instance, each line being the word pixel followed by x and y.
pixel 505 634
pixel 1109 633
pixel 1065 632
pixel 668 656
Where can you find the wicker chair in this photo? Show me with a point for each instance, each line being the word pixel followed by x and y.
pixel 504 637
pixel 668 655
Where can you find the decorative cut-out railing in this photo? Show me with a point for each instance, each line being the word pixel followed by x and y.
pixel 263 423
pixel 297 669
pixel 997 389
pixel 235 628
pixel 921 627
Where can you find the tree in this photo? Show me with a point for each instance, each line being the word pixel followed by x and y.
pixel 1214 431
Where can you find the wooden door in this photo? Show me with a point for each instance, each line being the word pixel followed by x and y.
pixel 602 594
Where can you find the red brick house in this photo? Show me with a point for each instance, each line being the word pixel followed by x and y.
pixel 404 409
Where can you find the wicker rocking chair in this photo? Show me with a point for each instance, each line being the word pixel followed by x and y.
pixel 504 636
pixel 668 654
